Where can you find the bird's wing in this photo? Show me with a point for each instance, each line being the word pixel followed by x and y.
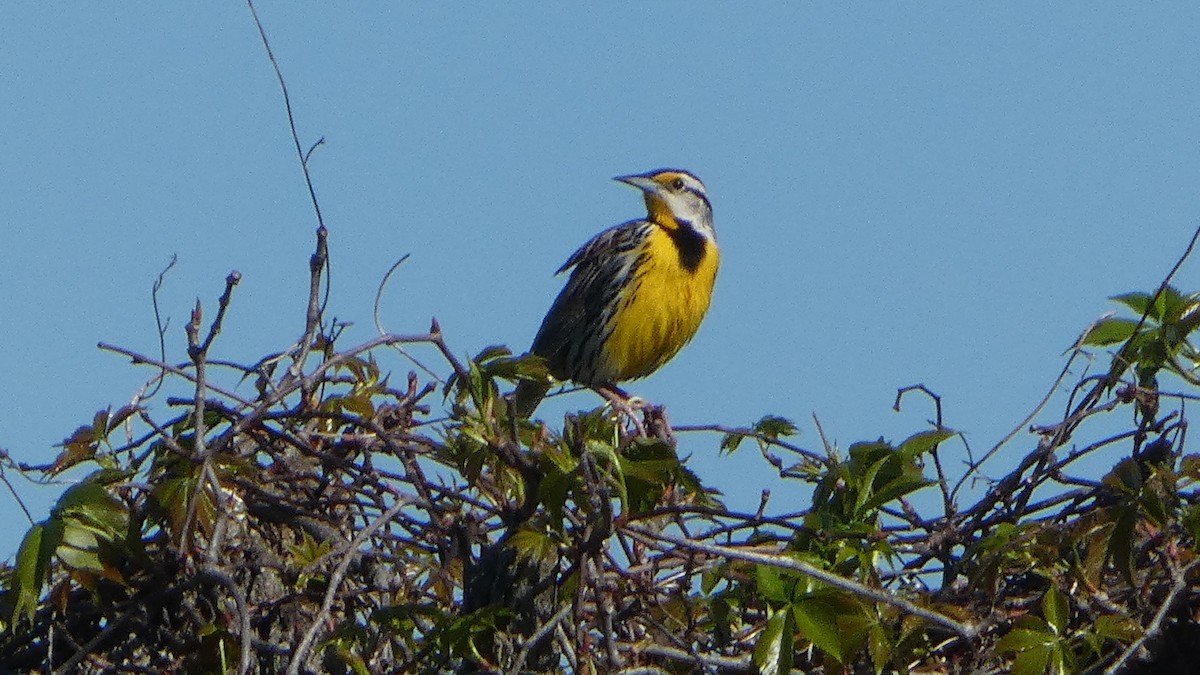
pixel 577 317
pixel 606 245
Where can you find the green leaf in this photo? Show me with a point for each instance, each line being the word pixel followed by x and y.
pixel 854 626
pixel 653 471
pixel 553 490
pixel 687 479
pixel 527 367
pixel 308 550
pixel 79 548
pixel 1120 629
pixel 461 634
pixel 866 485
pixel 1191 521
pixel 1138 302
pixel 897 488
pixel 32 567
pixel 1029 632
pixel 730 443
pixel 920 443
pixel 709 579
pixel 492 352
pixel 771 584
pixel 817 620
pixel 1169 305
pixel 1094 535
pixel 773 653
pixel 1031 662
pixel 879 646
pixel 401 621
pixel 774 426
pixel 648 467
pixel 1061 660
pixel 1120 543
pixel 533 544
pixel 1056 610
pixel 1032 643
pixel 90 505
pixel 1125 477
pixel 719 612
pixel 1109 332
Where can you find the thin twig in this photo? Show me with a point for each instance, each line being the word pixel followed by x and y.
pixel 943 485
pixel 1022 425
pixel 656 539
pixel 379 322
pixel 335 582
pixel 712 662
pixel 179 371
pixel 287 104
pixel 158 322
pixel 5 459
pixel 751 433
pixel 245 638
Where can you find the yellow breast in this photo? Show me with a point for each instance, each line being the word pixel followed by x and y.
pixel 662 308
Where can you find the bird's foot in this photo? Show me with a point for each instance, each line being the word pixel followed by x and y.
pixel 642 414
pixel 623 405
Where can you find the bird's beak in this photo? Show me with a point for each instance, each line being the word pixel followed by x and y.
pixel 639 181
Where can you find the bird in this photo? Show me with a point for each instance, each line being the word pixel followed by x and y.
pixel 636 295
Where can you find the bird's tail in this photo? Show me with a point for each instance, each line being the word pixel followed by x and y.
pixel 527 396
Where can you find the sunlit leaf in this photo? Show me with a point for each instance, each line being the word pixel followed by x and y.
pixel 920 443
pixel 772 585
pixel 534 544
pixel 1056 610
pixel 1137 301
pixel 1031 662
pixel 774 426
pixel 730 443
pixel 1120 629
pixel 90 505
pixel 492 352
pixel 79 548
pixel 1031 643
pixel 879 647
pixel 773 652
pixel 817 620
pixel 32 567
pixel 1109 331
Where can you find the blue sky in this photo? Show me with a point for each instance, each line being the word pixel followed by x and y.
pixel 937 193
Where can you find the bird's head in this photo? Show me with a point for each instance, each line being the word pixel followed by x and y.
pixel 675 198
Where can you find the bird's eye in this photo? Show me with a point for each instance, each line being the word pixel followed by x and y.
pixel 677 183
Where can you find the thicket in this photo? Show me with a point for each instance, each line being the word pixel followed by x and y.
pixel 337 518
pixel 335 521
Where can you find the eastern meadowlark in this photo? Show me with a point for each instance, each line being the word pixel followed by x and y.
pixel 636 295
